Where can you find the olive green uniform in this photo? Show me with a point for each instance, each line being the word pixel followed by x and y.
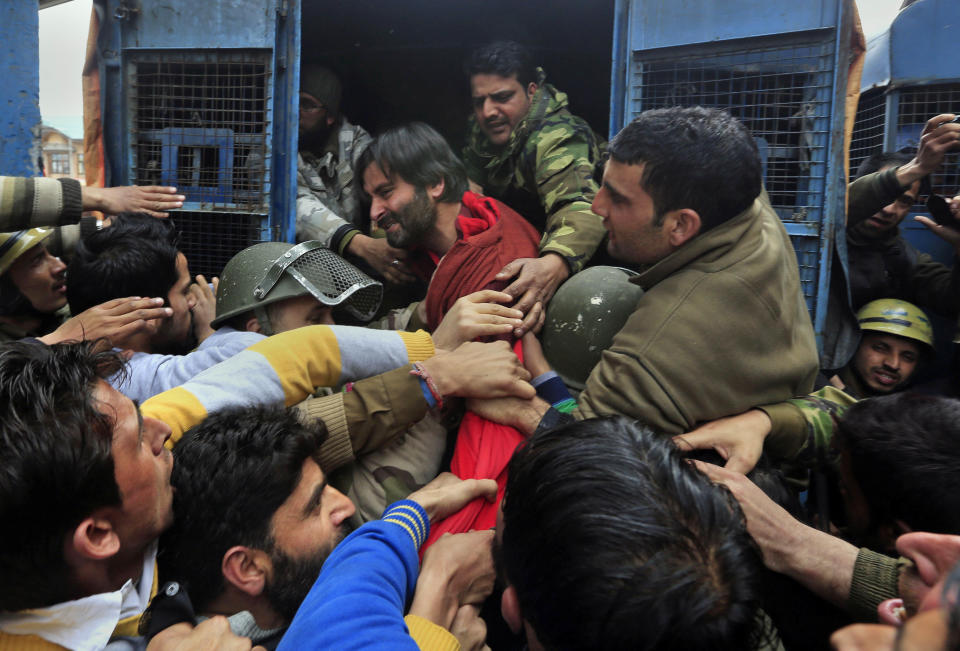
pixel 547 172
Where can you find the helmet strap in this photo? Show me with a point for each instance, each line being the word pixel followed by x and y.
pixel 263 319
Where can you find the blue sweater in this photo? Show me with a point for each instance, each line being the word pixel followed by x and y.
pixel 359 598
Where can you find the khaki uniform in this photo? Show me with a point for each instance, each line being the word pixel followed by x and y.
pixel 721 327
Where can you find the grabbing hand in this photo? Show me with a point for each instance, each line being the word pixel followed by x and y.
pixel 939 137
pixel 738 439
pixel 116 320
pixel 448 494
pixel 470 629
pixel 153 200
pixel 536 281
pixel 478 370
pixel 523 414
pixel 386 260
pixel 476 315
pixel 204 306
pixel 457 570
pixel 209 635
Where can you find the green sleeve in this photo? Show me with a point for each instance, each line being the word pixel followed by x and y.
pixel 565 159
pixel 804 426
pixel 868 194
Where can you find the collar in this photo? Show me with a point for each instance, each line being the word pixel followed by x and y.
pixel 89 623
pixel 711 249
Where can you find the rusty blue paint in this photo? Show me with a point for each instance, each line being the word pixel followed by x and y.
pixel 20 107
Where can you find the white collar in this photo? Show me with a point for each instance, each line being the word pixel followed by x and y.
pixel 88 623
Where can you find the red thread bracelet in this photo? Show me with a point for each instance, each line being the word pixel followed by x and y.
pixel 421 372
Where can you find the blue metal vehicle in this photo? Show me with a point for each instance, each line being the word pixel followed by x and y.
pixel 20 108
pixel 778 67
pixel 203 95
pixel 912 72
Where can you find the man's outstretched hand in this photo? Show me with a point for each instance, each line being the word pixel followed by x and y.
pixel 153 200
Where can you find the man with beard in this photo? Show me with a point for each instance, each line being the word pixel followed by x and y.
pixel 138 256
pixel 328 190
pixel 458 240
pixel 255 520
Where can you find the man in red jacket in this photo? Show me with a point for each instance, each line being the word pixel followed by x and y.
pixel 457 240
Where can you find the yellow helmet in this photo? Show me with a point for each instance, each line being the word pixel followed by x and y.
pixel 895 317
pixel 13 245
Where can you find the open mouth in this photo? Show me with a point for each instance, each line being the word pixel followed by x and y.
pixel 885 379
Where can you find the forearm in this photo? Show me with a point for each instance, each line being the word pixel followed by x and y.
pixel 285 369
pixel 372 414
pixel 33 202
pixel 573 232
pixel 822 563
pixel 870 193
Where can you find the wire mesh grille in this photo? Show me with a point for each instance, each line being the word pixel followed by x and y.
pixel 868 128
pixel 210 239
pixel 200 121
pixel 337 280
pixel 917 105
pixel 783 93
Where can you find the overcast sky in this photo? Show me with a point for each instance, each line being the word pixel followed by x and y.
pixel 63 38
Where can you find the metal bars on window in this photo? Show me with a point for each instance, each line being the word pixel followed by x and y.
pixel 200 121
pixel 868 128
pixel 917 105
pixel 782 91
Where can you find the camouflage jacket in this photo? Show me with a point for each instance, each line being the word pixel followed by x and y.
pixel 328 191
pixel 803 428
pixel 547 171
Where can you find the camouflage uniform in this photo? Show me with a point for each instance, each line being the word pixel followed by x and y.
pixel 328 192
pixel 803 428
pixel 547 172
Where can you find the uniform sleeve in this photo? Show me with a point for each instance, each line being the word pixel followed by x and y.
pixel 32 202
pixel 316 220
pixel 285 369
pixel 374 412
pixel 359 598
pixel 875 579
pixel 565 163
pixel 802 427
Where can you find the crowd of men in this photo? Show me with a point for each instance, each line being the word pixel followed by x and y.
pixel 517 447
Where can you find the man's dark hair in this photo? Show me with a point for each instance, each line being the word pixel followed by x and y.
pixel 230 475
pixel 612 541
pixel 420 156
pixel 878 160
pixel 136 256
pixel 698 158
pixel 504 59
pixel 57 466
pixel 904 456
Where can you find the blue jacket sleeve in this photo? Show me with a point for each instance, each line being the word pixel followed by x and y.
pixel 359 598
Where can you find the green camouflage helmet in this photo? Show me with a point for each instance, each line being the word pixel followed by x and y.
pixel 583 317
pixel 273 271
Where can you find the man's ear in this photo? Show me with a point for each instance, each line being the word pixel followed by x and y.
pixel 684 225
pixel 510 609
pixel 246 569
pixel 252 324
pixel 95 539
pixel 531 88
pixel 436 190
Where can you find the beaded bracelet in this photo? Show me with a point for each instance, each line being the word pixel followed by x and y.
pixel 421 372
